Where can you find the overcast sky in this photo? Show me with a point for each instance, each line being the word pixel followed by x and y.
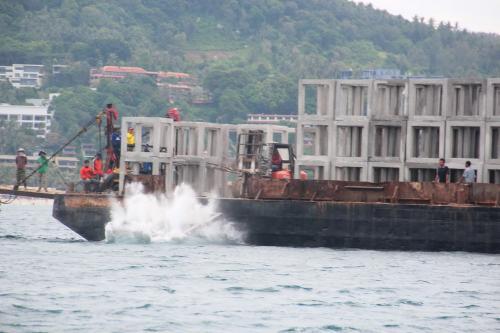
pixel 474 15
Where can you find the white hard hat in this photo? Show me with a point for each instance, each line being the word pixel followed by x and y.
pixel 20 149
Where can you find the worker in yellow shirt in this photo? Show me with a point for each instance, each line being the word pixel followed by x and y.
pixel 130 139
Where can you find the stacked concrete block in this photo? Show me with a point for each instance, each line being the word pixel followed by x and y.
pixel 426 127
pixel 492 132
pixel 315 127
pixel 195 153
pixel 200 153
pixel 465 125
pixel 350 142
pixel 386 130
pixel 387 133
pixel 493 99
pixel 467 99
pixel 428 99
pixel 154 143
pixel 387 145
pixel 351 126
pixel 465 141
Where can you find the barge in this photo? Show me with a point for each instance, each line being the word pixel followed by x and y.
pixel 390 216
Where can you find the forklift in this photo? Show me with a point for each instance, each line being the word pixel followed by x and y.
pixel 259 158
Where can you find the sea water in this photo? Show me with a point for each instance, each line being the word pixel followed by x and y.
pixel 159 274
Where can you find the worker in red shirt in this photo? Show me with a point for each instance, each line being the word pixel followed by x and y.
pixel 276 161
pixel 111 113
pixel 98 172
pixel 86 175
pixel 173 113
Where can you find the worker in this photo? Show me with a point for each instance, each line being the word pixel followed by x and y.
pixel 173 113
pixel 21 162
pixel 146 167
pixel 111 112
pixel 86 175
pixel 111 115
pixel 116 143
pixel 130 139
pixel 43 166
pixel 469 175
pixel 442 172
pixel 276 161
pixel 98 172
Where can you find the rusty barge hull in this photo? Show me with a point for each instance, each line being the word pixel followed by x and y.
pixel 300 223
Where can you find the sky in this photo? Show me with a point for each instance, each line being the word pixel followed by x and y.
pixel 474 15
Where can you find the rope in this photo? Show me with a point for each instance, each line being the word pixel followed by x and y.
pixel 8 201
pixel 58 172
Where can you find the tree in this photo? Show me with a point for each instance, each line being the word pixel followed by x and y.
pixel 16 137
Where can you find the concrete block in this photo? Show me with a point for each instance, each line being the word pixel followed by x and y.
pixel 352 171
pixel 427 99
pixel 320 167
pixel 385 171
pixel 491 173
pixel 492 142
pixel 387 140
pixel 350 140
pixel 466 99
pixel 314 138
pixel 493 99
pixel 390 100
pixel 322 102
pixel 353 99
pixel 463 142
pixel 425 141
pixel 420 171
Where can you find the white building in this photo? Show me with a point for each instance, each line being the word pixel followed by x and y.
pixel 22 75
pixel 37 118
pixel 259 118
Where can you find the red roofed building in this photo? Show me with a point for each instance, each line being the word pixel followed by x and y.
pixel 121 72
pixel 177 85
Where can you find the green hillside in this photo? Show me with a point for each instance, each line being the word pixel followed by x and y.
pixel 305 37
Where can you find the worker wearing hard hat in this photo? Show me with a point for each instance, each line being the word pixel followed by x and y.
pixel 130 139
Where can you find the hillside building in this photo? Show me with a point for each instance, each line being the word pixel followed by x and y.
pixel 37 118
pixel 23 75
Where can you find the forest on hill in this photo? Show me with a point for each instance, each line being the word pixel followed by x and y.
pixel 249 54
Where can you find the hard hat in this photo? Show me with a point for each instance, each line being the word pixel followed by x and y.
pixel 20 149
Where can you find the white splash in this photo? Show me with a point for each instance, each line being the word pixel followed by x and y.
pixel 145 218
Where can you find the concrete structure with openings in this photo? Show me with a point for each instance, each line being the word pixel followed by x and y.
pixel 397 129
pixel 195 153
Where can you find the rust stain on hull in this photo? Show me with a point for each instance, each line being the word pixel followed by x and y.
pixel 88 201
